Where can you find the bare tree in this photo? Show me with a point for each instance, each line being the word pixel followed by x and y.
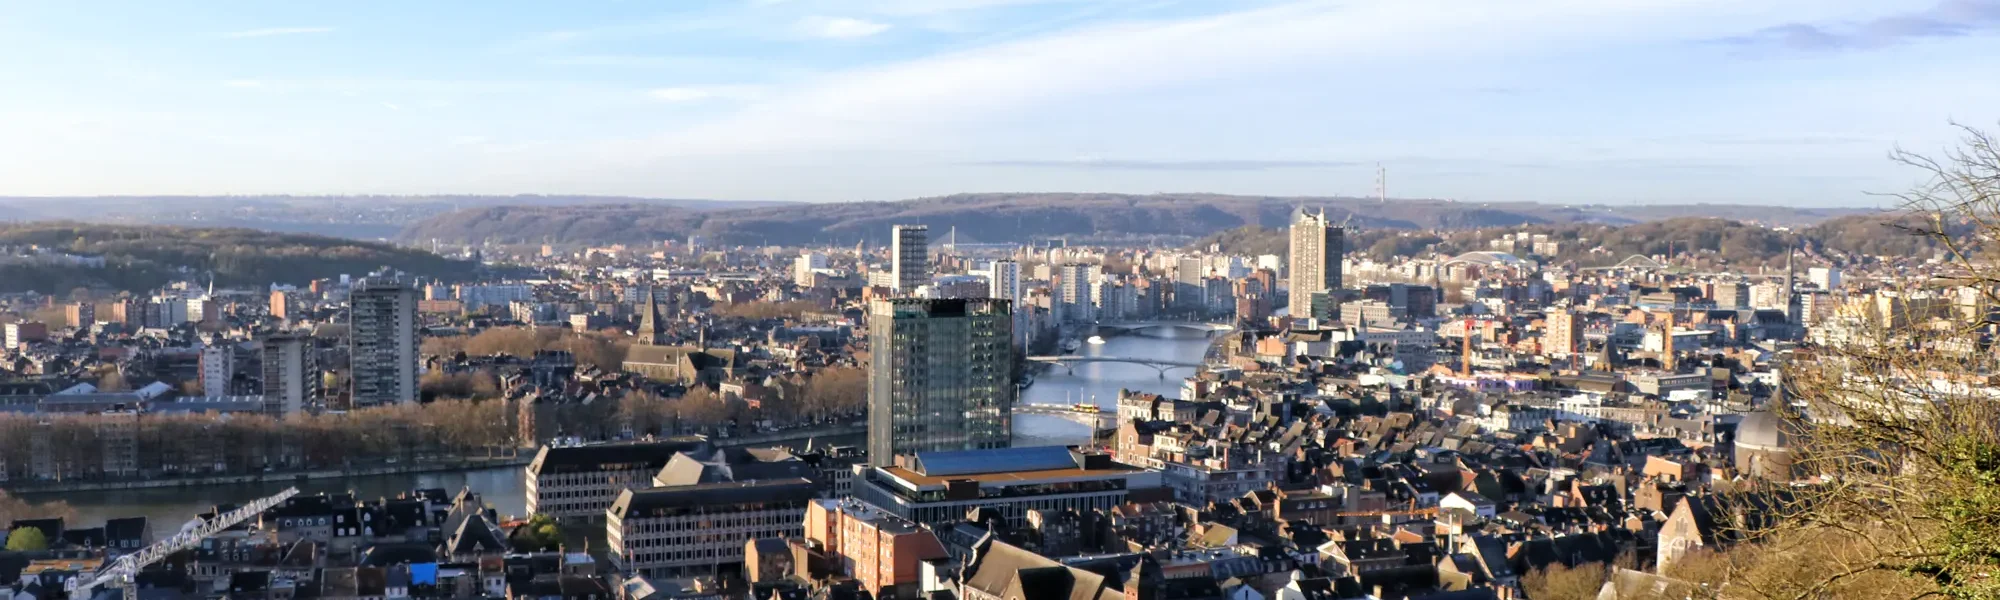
pixel 1895 421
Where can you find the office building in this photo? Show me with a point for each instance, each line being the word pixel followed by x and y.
pixel 382 334
pixel 166 311
pixel 1732 295
pixel 1190 284
pixel 957 286
pixel 909 257
pixel 1565 334
pixel 804 266
pixel 878 549
pixel 1073 303
pixel 202 309
pixel 938 488
pixel 1113 299
pixel 291 374
pixel 80 314
pixel 941 376
pixel 697 529
pixel 1825 278
pixel 1371 313
pixel 218 366
pixel 1410 301
pixel 281 305
pixel 581 482
pixel 1217 297
pixel 22 333
pixel 1005 278
pixel 1317 248
pixel 127 312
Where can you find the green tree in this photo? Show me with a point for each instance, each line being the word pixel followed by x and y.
pixel 539 534
pixel 27 539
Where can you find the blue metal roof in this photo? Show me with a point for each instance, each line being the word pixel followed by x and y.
pixel 996 460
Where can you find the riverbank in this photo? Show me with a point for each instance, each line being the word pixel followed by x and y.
pixel 463 464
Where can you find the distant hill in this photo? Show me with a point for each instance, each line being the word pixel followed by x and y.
pixel 1174 218
pixel 356 217
pixel 144 257
pixel 1845 239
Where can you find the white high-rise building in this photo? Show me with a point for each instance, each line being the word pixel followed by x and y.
pixel 1074 299
pixel 382 335
pixel 1826 278
pixel 218 366
pixel 910 257
pixel 805 264
pixel 1270 261
pixel 1005 278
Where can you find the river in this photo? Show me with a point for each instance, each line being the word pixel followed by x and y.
pixel 1099 382
pixel 504 489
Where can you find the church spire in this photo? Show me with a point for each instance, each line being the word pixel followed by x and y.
pixel 650 332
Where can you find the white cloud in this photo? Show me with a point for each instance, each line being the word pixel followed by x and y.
pixel 705 92
pixel 276 31
pixel 392 106
pixel 1312 39
pixel 841 28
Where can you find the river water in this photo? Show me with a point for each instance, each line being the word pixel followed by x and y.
pixel 503 487
pixel 1098 383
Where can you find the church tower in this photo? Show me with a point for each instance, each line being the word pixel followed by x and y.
pixel 652 331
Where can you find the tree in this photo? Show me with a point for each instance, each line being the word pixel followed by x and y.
pixel 539 534
pixel 1560 582
pixel 1896 428
pixel 12 509
pixel 27 539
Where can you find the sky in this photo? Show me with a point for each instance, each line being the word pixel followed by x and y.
pixel 1791 102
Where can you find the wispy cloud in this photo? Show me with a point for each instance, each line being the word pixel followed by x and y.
pixel 700 93
pixel 1951 18
pixel 871 104
pixel 840 28
pixel 276 31
pixel 1168 165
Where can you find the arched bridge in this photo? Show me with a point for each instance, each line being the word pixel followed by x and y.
pixel 1099 419
pixel 1118 327
pixel 1069 362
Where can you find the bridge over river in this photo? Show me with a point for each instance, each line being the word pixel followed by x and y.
pixel 1096 419
pixel 1069 362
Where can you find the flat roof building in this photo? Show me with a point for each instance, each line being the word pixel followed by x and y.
pixel 938 488
pixel 697 529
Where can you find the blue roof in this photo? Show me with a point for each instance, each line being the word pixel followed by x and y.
pixel 996 460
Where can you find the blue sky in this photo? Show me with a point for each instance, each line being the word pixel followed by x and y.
pixel 1630 101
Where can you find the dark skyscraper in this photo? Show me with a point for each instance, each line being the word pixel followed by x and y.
pixel 940 376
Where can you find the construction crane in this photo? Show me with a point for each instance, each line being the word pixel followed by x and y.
pixel 124 570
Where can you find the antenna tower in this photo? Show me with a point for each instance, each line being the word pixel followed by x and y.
pixel 1381 184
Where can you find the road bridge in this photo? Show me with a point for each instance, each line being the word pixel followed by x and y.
pixel 1097 419
pixel 1121 327
pixel 1069 362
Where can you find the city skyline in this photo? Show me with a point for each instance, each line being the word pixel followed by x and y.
pixel 1786 102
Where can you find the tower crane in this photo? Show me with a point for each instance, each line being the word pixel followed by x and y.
pixel 123 571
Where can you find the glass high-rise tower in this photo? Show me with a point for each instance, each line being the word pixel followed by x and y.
pixel 940 376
